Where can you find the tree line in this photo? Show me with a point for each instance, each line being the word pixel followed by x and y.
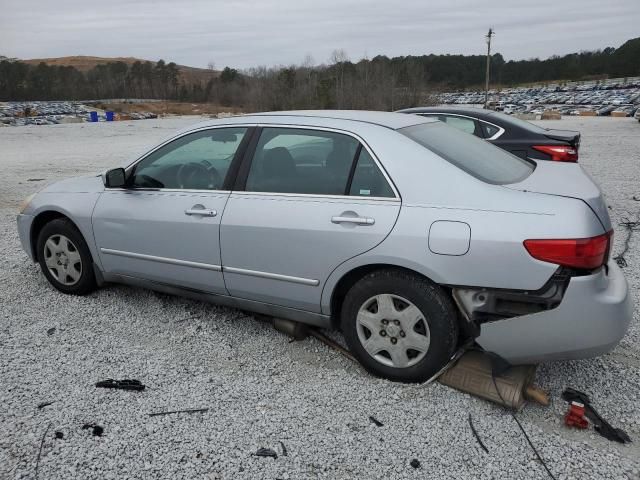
pixel 22 81
pixel 379 83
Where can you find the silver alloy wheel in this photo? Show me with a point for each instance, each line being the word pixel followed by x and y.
pixel 63 259
pixel 393 330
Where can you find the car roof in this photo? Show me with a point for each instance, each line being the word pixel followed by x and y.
pixel 325 118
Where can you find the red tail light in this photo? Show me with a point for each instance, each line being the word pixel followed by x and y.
pixel 584 253
pixel 559 153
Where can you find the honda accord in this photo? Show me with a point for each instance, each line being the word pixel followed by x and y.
pixel 407 234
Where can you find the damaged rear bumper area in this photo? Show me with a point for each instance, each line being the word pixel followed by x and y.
pixel 590 319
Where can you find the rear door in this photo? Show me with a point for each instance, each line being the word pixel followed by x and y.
pixel 309 199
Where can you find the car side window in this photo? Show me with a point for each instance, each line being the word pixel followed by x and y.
pixel 290 160
pixel 489 130
pixel 468 125
pixel 368 180
pixel 197 161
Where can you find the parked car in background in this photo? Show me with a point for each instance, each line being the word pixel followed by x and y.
pixel 637 115
pixel 407 234
pixel 522 138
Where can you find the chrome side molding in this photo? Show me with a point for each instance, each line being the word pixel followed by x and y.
pixel 216 268
pixel 273 276
pixel 153 258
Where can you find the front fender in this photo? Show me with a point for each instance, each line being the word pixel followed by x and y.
pixel 77 206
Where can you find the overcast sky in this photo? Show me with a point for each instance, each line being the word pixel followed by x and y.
pixel 245 33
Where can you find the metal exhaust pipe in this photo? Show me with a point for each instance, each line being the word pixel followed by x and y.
pixel 472 374
pixel 297 330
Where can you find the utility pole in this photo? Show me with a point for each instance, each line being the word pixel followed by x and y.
pixel 486 85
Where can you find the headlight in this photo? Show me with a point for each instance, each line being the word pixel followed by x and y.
pixel 25 203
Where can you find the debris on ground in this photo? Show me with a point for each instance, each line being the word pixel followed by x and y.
pixel 40 450
pixel 284 449
pixel 44 404
pixel 473 373
pixel 475 434
pixel 266 452
pixel 59 435
pixel 51 331
pixel 97 430
pixel 125 384
pixel 575 416
pixel 600 425
pixel 188 410
pixel 375 421
pixel 415 463
pixel 630 227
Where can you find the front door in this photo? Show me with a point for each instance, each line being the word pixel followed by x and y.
pixel 311 200
pixel 165 226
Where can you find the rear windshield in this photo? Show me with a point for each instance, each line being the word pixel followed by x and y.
pixel 469 153
pixel 511 120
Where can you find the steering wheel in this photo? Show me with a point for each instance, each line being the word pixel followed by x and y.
pixel 193 173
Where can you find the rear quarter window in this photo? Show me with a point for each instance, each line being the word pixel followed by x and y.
pixel 469 153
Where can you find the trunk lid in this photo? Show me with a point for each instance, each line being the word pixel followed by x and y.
pixel 573 138
pixel 566 180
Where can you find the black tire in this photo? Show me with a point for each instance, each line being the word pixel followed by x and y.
pixel 433 303
pixel 86 281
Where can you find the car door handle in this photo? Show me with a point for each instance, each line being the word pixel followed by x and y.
pixel 356 220
pixel 203 212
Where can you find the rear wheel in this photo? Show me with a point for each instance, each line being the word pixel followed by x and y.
pixel 399 326
pixel 65 259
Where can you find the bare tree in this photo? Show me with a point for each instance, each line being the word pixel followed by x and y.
pixel 338 58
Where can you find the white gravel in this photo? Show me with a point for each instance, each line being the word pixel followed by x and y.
pixel 260 389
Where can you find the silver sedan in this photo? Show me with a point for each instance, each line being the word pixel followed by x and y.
pixel 408 235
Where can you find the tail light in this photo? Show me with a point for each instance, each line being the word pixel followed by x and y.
pixel 559 153
pixel 582 253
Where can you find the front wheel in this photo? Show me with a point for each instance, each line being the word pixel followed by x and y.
pixel 399 326
pixel 65 258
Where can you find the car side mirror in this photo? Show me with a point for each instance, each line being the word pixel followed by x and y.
pixel 115 178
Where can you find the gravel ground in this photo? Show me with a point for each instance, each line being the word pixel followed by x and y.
pixel 260 389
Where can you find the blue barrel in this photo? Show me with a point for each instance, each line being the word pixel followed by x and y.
pixel 93 116
pixel 109 116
